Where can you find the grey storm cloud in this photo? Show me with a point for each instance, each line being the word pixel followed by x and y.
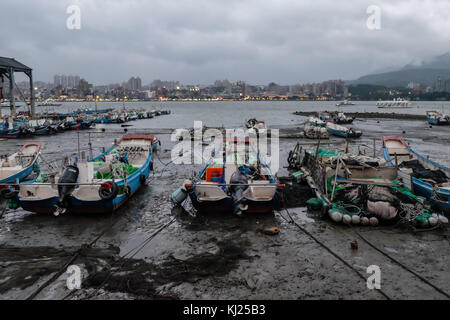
pixel 198 41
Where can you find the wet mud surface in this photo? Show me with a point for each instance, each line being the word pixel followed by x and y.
pixel 150 250
pixel 374 115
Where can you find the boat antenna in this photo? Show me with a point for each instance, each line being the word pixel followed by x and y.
pixel 91 156
pixel 124 99
pixel 78 135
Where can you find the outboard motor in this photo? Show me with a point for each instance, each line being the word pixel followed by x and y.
pixel 70 175
pixel 237 191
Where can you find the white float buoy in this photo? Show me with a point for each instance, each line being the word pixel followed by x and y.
pixel 346 219
pixel 335 215
pixel 433 221
pixel 356 219
pixel 365 221
pixel 373 221
pixel 443 219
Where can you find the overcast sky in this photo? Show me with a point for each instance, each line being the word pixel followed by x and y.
pixel 199 41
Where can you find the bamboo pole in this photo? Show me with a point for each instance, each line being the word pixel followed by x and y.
pixel 335 178
pixel 374 148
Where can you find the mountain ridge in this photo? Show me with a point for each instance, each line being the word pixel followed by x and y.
pixel 424 72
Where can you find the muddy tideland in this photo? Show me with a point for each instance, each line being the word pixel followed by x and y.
pixel 373 115
pixel 150 250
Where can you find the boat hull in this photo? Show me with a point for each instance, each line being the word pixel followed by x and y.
pixel 438 122
pixel 226 205
pixel 422 188
pixel 339 121
pixel 344 134
pixel 23 174
pixel 76 205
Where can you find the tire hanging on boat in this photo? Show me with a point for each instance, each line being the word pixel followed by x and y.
pixel 7 194
pixel 143 179
pixel 127 191
pixel 108 190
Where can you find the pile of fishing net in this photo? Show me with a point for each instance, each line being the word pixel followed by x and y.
pixel 420 172
pixel 372 205
pixel 106 171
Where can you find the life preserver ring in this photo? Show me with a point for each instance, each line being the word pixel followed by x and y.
pixel 108 190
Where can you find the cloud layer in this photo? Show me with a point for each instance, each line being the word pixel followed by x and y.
pixel 198 41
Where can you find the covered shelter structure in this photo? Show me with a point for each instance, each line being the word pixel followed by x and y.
pixel 8 66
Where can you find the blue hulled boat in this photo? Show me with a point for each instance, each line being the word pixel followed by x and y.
pixel 429 179
pixel 436 118
pixel 341 131
pixel 20 165
pixel 325 116
pixel 100 185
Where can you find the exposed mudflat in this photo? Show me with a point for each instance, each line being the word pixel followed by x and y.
pixel 374 115
pixel 148 250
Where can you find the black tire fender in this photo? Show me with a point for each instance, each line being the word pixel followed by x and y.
pixel 108 190
pixel 151 165
pixel 8 193
pixel 127 191
pixel 143 180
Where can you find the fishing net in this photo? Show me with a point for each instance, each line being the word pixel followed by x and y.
pixel 128 169
pixel 404 190
pixel 420 172
pixel 323 153
pixel 314 204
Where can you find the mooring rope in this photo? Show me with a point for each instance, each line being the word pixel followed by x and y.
pixel 403 266
pixel 71 260
pixel 136 250
pixel 330 251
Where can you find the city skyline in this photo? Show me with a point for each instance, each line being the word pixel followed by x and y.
pixel 253 41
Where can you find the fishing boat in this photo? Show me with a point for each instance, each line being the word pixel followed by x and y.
pixel 315 132
pixel 20 165
pixel 325 116
pixel 234 180
pixel 11 130
pixel 437 118
pixel 341 131
pixel 358 189
pixel 49 104
pixel 336 117
pixel 100 185
pixel 429 179
pixel 341 118
pixel 394 104
pixel 40 127
pixel 344 103
pixel 255 126
pixel 315 121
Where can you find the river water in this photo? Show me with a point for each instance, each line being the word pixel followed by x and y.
pixel 234 113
